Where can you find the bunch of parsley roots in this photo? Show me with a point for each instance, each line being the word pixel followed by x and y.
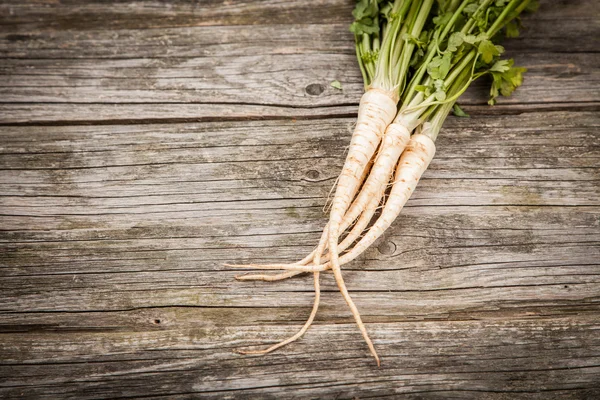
pixel 416 58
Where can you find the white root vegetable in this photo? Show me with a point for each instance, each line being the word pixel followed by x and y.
pixel 394 141
pixel 413 163
pixel 376 111
pixel 268 277
pixel 457 49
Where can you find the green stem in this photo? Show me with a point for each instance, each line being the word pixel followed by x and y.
pixel 380 79
pixel 385 78
pixel 440 113
pixel 366 79
pixel 409 48
pixel 397 50
pixel 417 110
pixel 431 52
pixel 500 20
pixel 471 22
pixel 454 5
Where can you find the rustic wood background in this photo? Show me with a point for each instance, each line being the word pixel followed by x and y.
pixel 143 144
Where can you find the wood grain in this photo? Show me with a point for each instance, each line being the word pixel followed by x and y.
pixel 143 144
pixel 173 70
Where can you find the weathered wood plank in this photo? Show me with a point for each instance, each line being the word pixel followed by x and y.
pixel 96 15
pixel 464 359
pixel 113 235
pixel 68 29
pixel 93 211
pixel 277 80
pixel 57 114
pixel 232 71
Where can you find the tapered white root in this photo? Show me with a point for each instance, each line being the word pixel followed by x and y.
pixel 301 332
pixel 393 144
pixel 412 164
pixel 356 230
pixel 265 277
pixel 268 277
pixel 287 267
pixel 322 244
pixel 296 269
pixel 376 111
pixel 395 140
pixel 342 287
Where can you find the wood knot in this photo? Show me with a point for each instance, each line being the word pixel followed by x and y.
pixel 312 174
pixel 314 89
pixel 387 248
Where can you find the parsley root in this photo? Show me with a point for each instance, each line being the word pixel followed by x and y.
pixel 416 58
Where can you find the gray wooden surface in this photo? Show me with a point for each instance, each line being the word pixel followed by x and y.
pixel 143 144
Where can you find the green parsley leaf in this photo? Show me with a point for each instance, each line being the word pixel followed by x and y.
pixel 459 112
pixel 434 66
pixel 365 8
pixel 364 26
pixel 446 64
pixel 502 65
pixel 512 29
pixel 439 67
pixel 471 39
pixel 505 82
pixel 471 8
pixel 455 41
pixel 488 51
pixel 336 84
pixel 442 20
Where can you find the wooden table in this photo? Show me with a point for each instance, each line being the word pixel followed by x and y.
pixel 142 145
